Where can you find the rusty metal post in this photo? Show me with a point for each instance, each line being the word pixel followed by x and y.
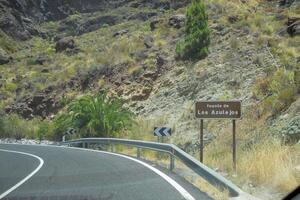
pixel 201 141
pixel 234 144
pixel 138 152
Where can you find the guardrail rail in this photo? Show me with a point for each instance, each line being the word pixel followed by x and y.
pixel 205 172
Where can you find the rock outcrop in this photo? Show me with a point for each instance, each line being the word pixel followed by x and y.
pixel 40 105
pixel 17 17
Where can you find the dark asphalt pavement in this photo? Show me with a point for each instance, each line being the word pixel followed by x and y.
pixel 80 175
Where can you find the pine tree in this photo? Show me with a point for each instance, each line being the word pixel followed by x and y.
pixel 197 34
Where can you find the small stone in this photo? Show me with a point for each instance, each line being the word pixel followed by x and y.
pixel 120 33
pixel 177 21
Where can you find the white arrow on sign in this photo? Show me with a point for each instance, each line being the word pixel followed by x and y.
pixel 162 131
pixel 167 131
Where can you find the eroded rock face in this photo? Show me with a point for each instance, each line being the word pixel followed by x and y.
pixel 17 17
pixel 38 105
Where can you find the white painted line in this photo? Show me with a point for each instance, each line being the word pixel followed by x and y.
pixel 27 177
pixel 179 188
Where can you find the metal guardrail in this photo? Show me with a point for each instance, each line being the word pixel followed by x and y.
pixel 206 173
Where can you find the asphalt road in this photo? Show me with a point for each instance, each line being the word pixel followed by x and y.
pixel 55 173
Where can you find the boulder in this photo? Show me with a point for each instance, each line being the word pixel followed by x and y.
pixel 293 24
pixel 96 23
pixel 143 16
pixel 148 41
pixel 41 59
pixel 177 21
pixel 289 3
pixel 162 5
pixel 120 33
pixel 4 58
pixel 154 23
pixel 64 44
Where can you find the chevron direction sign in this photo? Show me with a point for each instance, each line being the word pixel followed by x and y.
pixel 71 131
pixel 162 131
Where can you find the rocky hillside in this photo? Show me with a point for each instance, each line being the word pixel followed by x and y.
pixel 53 51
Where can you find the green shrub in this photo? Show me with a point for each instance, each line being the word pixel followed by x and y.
pixel 61 124
pixel 44 130
pixel 94 116
pixel 197 34
pixel 11 87
pixel 291 131
pixel 14 127
pixel 282 91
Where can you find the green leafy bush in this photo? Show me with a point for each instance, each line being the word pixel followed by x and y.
pixel 279 91
pixel 45 130
pixel 291 132
pixel 197 34
pixel 95 116
pixel 14 127
pixel 11 87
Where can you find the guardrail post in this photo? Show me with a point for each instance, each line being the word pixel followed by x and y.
pixel 172 162
pixel 138 152
pixel 112 148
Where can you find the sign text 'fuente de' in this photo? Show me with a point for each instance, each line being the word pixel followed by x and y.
pixel 218 109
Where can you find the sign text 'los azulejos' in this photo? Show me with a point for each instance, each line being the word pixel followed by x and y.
pixel 218 109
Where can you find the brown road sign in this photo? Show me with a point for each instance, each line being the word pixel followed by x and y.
pixel 218 109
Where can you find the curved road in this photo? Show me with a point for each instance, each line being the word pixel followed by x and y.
pixel 67 173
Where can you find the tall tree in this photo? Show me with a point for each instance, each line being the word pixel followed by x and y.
pixel 197 33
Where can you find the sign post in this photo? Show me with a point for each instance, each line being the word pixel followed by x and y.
pixel 70 131
pixel 161 132
pixel 234 144
pixel 219 110
pixel 201 140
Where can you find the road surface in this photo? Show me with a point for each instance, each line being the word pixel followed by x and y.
pixel 54 173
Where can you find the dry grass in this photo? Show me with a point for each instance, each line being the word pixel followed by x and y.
pixel 199 182
pixel 211 191
pixel 261 159
pixel 270 163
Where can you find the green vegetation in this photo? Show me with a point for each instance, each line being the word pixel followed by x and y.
pixel 13 126
pixel 249 31
pixel 196 41
pixel 99 115
pixel 277 91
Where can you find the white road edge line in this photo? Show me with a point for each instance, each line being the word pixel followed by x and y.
pixel 178 187
pixel 27 177
pixel 186 195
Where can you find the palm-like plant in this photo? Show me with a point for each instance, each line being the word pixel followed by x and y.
pixel 99 115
